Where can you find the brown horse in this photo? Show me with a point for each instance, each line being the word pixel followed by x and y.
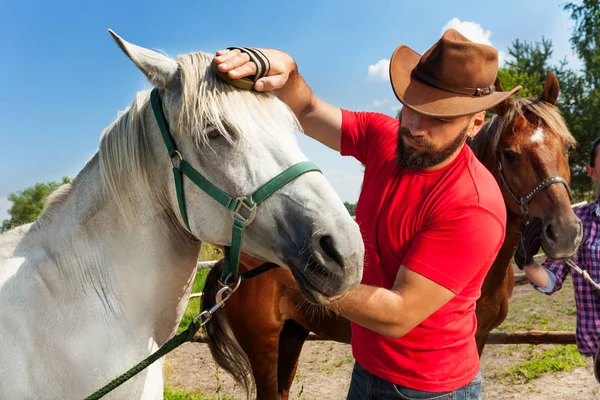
pixel 525 145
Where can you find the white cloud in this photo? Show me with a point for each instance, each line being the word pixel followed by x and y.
pixel 470 29
pixel 5 205
pixel 474 32
pixel 501 58
pixel 380 70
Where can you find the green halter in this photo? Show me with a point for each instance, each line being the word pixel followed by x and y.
pixel 243 209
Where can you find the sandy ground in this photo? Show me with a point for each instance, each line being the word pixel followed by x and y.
pixel 325 367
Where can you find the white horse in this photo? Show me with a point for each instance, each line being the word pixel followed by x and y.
pixel 102 278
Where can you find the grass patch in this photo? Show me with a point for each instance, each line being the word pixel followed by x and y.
pixel 171 394
pixel 531 310
pixel 193 307
pixel 330 368
pixel 207 253
pixel 538 362
pixel 537 311
pixel 181 395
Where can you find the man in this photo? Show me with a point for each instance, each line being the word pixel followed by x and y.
pixel 549 277
pixel 431 215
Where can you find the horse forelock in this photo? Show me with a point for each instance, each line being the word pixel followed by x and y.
pixel 536 111
pixel 206 104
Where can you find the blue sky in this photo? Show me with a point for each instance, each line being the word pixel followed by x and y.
pixel 64 79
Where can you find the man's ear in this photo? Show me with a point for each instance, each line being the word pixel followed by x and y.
pixel 476 123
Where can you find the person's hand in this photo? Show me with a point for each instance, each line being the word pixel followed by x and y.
pixel 237 65
pixel 529 244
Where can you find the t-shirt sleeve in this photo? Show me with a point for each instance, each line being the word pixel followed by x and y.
pixel 363 133
pixel 455 249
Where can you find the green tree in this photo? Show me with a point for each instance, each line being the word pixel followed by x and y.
pixel 350 207
pixel 29 203
pixel 586 37
pixel 581 108
pixel 527 67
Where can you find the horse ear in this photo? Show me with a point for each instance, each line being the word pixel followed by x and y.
pixel 500 108
pixel 160 70
pixel 551 88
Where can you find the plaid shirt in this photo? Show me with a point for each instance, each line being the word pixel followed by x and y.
pixel 588 258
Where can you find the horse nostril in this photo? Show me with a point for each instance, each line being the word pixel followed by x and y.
pixel 550 233
pixel 326 243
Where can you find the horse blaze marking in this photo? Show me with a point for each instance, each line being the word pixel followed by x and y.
pixel 538 136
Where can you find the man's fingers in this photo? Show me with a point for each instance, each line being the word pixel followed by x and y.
pixel 232 61
pixel 270 82
pixel 247 69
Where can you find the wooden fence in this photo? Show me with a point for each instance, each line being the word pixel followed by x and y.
pixel 520 337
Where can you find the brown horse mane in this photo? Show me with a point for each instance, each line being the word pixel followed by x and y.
pixel 534 109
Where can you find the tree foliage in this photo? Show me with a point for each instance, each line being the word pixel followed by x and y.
pixel 579 97
pixel 29 203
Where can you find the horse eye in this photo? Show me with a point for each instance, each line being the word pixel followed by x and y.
pixel 213 134
pixel 570 147
pixel 509 155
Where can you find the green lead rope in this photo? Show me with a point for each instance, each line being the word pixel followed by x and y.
pixel 175 342
pixel 237 206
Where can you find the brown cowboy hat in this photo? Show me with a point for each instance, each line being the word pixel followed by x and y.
pixel 455 77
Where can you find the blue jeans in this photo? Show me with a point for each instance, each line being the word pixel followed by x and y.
pixel 365 385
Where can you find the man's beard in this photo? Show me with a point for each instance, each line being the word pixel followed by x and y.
pixel 415 159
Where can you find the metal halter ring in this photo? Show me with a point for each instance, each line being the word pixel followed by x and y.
pixel 179 157
pixel 226 283
pixel 249 209
pixel 220 298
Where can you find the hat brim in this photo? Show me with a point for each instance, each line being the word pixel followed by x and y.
pixel 429 100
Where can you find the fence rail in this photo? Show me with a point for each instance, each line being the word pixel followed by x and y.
pixel 519 337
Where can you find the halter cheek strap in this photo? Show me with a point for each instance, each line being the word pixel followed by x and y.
pixel 243 209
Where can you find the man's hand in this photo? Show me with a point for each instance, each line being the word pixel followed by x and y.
pixel 530 243
pixel 238 65
pixel 319 120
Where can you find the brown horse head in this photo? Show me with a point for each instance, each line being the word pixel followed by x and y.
pixel 531 144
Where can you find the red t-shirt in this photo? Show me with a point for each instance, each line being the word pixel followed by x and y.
pixel 447 225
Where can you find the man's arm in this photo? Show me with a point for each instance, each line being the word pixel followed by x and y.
pixel 394 312
pixel 389 312
pixel 318 119
pixel 443 259
pixel 454 251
